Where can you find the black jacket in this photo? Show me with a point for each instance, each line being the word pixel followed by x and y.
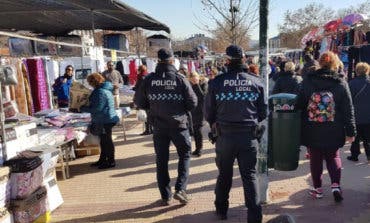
pixel 287 82
pixel 236 99
pixel 308 68
pixel 326 130
pixel 361 102
pixel 198 113
pixel 168 97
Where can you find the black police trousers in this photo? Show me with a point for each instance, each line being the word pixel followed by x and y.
pixel 241 145
pixel 182 141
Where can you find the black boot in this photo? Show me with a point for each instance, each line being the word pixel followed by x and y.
pixel 197 153
pixel 107 164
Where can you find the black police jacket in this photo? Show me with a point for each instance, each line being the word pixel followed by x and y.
pixel 236 99
pixel 167 96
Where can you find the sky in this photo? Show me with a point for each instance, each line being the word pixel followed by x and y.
pixel 183 15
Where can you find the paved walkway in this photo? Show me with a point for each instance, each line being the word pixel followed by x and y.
pixel 128 193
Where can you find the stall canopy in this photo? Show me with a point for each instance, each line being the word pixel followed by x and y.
pixel 56 17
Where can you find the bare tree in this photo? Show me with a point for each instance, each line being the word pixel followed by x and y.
pixel 362 8
pixel 298 22
pixel 233 20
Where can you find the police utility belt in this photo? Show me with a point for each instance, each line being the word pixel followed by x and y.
pixel 218 129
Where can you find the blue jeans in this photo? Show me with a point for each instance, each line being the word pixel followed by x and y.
pixel 242 146
pixel 181 140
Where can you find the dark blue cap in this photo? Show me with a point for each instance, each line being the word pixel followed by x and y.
pixel 234 52
pixel 164 54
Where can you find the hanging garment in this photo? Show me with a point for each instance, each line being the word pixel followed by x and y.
pixel 190 66
pixel 52 70
pixel 49 75
pixel 177 64
pixel 133 72
pixel 126 66
pixel 324 45
pixel 27 88
pixel 6 92
pixel 20 91
pixel 359 37
pixel 38 84
pixel 151 64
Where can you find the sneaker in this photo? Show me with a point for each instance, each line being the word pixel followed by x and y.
pixel 352 158
pixel 181 196
pixel 316 193
pixel 337 192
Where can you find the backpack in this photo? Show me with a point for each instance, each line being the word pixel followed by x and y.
pixel 321 107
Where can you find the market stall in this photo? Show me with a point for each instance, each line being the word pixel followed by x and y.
pixel 345 37
pixel 35 134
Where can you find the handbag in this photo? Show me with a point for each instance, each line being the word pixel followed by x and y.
pixel 96 129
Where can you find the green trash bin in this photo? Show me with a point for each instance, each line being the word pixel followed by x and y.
pixel 285 132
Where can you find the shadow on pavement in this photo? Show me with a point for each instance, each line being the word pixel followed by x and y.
pixel 195 161
pixel 147 211
pixel 205 176
pixel 306 209
pixel 236 214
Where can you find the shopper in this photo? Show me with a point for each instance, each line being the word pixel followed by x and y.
pixel 103 118
pixel 200 88
pixel 142 72
pixel 234 106
pixel 310 65
pixel 62 86
pixel 360 90
pixel 287 81
pixel 327 122
pixel 169 98
pixel 115 78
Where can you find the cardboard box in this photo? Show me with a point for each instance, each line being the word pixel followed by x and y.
pixel 49 156
pixel 78 95
pixel 54 197
pixel 88 151
pixel 20 138
pixel 31 209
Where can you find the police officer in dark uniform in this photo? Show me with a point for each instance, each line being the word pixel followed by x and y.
pixel 235 104
pixel 168 97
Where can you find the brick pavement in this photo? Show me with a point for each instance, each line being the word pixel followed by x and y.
pixel 128 193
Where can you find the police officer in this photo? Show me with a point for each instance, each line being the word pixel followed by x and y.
pixel 168 96
pixel 235 104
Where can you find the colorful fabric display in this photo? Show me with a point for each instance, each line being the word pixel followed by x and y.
pixel 33 208
pixel 26 176
pixel 38 83
pixel 27 88
pixel 20 90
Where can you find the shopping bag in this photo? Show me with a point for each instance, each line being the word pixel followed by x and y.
pixel 141 115
pixel 91 139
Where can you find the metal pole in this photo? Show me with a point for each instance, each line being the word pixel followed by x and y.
pixel 137 44
pixel 262 169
